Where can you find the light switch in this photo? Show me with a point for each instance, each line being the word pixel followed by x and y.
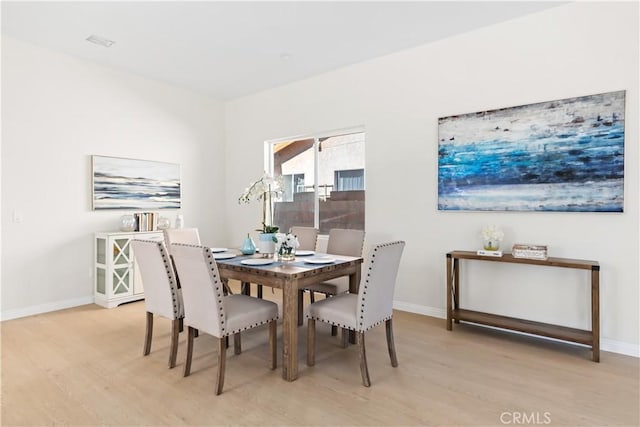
pixel 17 217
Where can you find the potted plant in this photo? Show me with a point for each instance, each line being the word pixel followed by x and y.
pixel 266 190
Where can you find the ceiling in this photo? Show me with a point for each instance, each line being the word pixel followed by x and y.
pixel 232 49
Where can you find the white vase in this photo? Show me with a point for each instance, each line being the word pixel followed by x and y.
pixel 265 244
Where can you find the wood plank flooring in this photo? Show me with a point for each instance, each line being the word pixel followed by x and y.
pixel 84 367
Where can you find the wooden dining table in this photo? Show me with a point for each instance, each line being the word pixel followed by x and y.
pixel 291 277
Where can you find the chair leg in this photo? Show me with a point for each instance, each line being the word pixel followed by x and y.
pixel 245 288
pixel 227 289
pixel 181 324
pixel 390 345
pixel 363 361
pixel 312 296
pixel 187 364
pixel 311 342
pixel 345 336
pixel 300 307
pixel 147 336
pixel 273 347
pixel 175 331
pixel 237 343
pixel 260 291
pixel 222 357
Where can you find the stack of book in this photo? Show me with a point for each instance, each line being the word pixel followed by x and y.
pixel 521 250
pixel 146 221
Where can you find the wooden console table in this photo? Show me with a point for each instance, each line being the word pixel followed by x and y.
pixel 455 313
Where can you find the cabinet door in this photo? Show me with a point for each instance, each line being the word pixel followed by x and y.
pixel 121 250
pixel 121 281
pixel 121 265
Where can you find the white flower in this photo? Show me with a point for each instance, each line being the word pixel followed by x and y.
pixel 286 242
pixel 492 232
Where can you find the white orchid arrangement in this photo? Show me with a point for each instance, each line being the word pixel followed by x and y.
pixel 266 189
pixel 285 243
pixel 492 232
pixel 492 236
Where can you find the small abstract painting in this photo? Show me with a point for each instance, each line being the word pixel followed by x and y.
pixel 565 155
pixel 135 184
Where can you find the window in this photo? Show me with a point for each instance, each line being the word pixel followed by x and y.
pixel 324 181
pixel 293 183
pixel 348 180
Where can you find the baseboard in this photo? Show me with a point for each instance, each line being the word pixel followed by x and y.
pixel 44 308
pixel 619 347
pixel 605 343
pixel 420 309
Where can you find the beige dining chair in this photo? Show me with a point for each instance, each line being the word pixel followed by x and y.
pixel 307 237
pixel 161 294
pixel 372 305
pixel 189 236
pixel 209 310
pixel 341 242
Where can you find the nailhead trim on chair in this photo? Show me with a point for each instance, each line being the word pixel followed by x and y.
pixel 364 292
pixel 219 294
pixel 169 270
pixel 217 287
pixel 249 327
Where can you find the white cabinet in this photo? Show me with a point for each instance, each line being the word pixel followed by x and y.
pixel 117 279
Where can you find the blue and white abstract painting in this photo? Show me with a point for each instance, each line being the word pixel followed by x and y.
pixel 565 155
pixel 135 184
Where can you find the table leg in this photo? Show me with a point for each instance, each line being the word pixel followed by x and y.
pixel 290 330
pixel 595 313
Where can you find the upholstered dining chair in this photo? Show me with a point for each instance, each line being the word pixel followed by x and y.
pixel 208 310
pixel 360 312
pixel 307 237
pixel 162 296
pixel 341 242
pixel 189 236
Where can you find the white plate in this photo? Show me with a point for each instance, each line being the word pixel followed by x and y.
pixel 304 253
pixel 216 250
pixel 320 260
pixel 257 261
pixel 223 255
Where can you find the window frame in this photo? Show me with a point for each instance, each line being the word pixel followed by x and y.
pixel 317 138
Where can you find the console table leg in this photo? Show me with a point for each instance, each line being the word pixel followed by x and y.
pixel 449 290
pixel 595 312
pixel 456 285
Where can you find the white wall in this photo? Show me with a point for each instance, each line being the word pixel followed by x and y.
pixel 56 112
pixel 576 49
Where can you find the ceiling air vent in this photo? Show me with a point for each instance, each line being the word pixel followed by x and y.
pixel 100 40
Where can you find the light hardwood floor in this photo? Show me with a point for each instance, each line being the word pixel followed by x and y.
pixel 84 367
